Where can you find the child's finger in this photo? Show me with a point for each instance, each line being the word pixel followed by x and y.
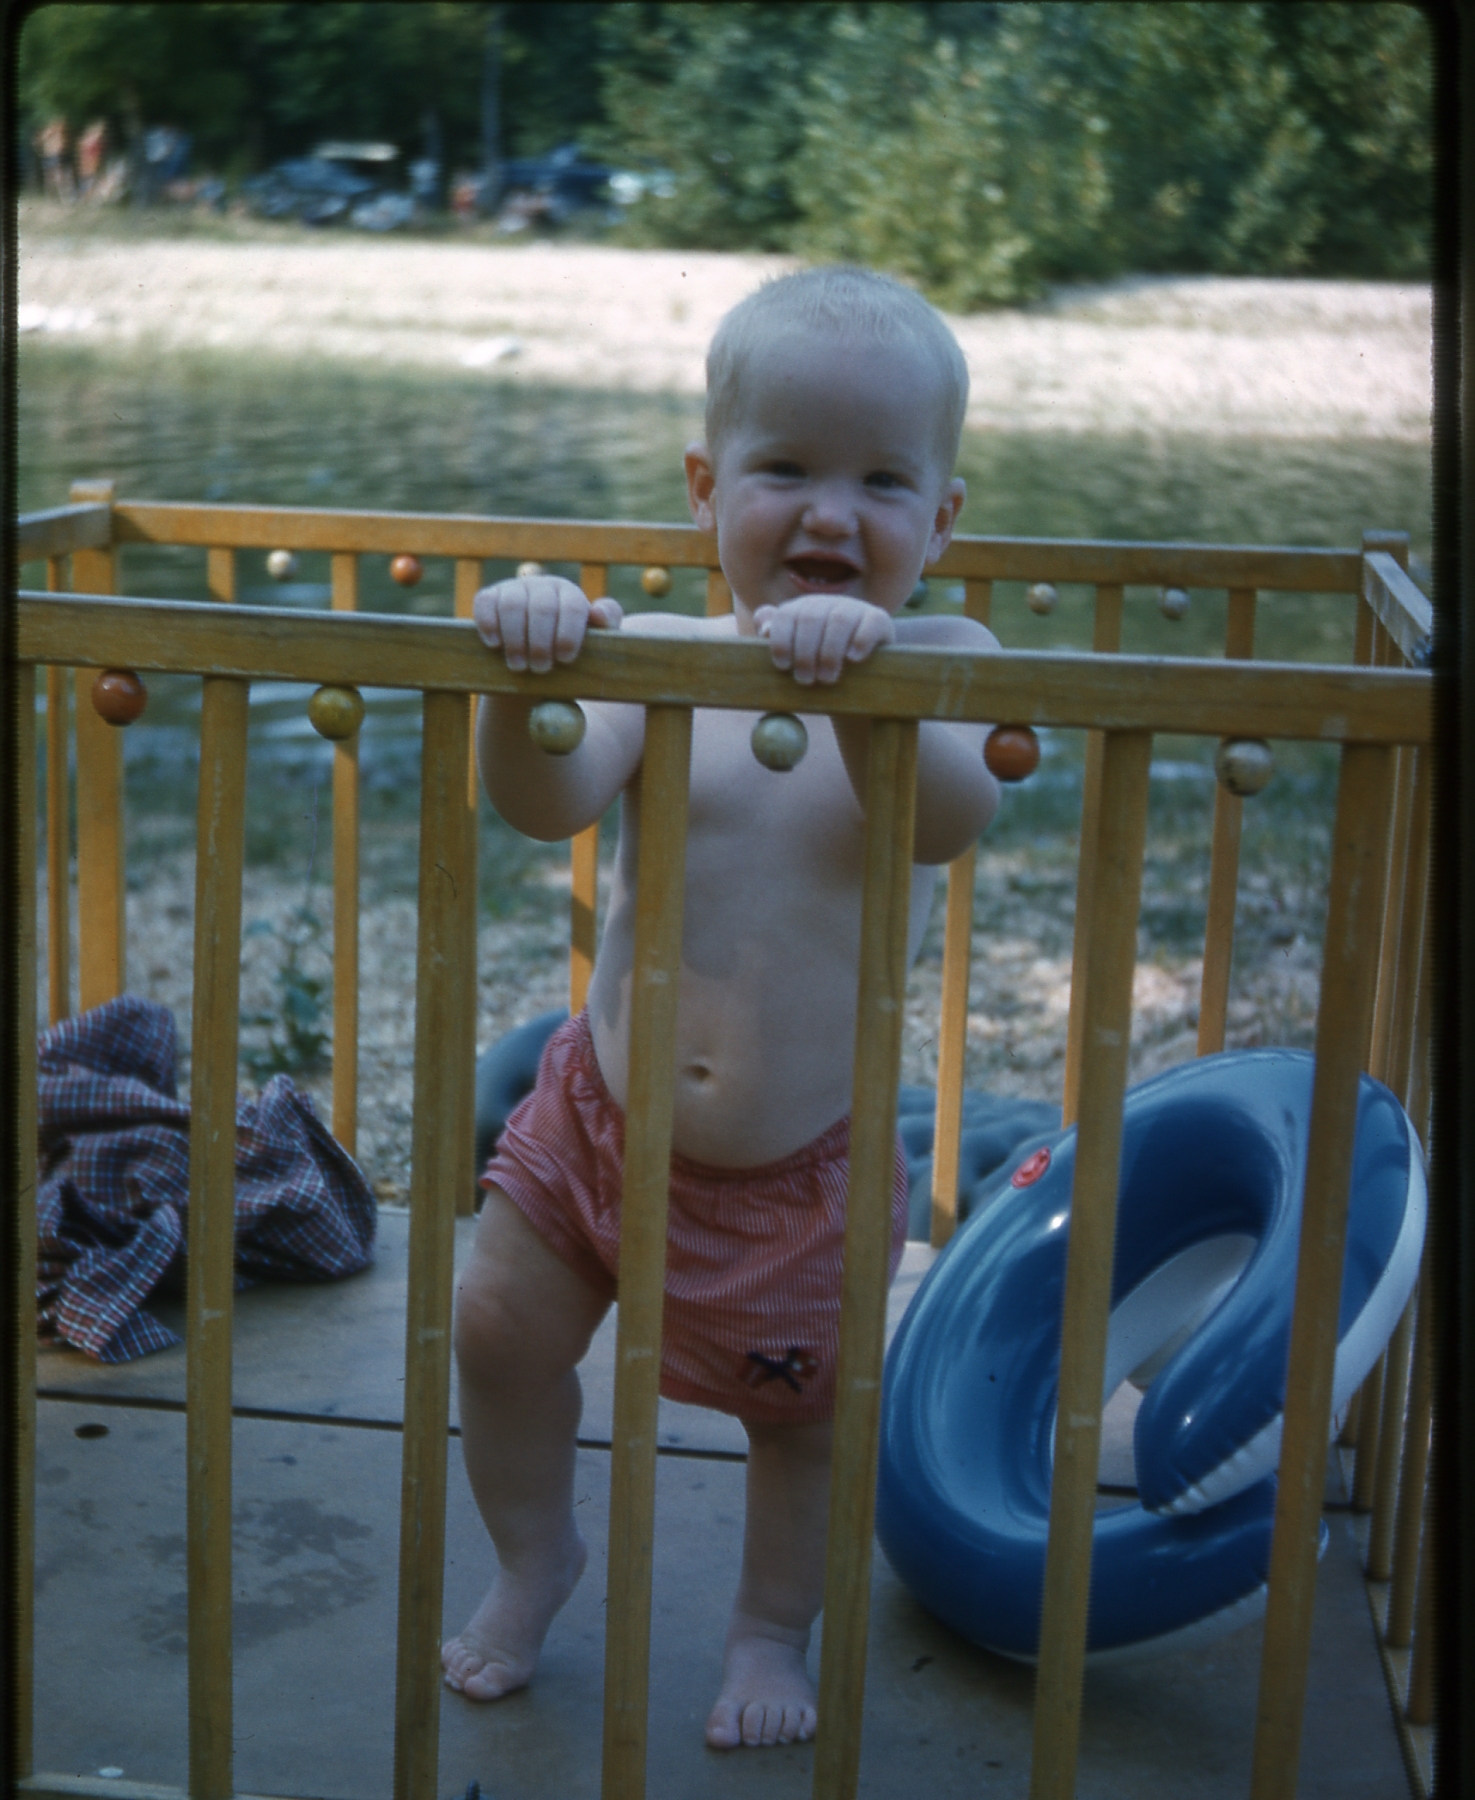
pixel 543 616
pixel 606 612
pixel 574 613
pixel 838 632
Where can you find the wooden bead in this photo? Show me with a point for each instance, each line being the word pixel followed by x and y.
pixel 1041 597
pixel 1011 752
pixel 281 565
pixel 657 582
pixel 1172 603
pixel 527 569
pixel 336 712
pixel 119 696
pixel 779 741
pixel 406 569
pixel 1244 765
pixel 557 726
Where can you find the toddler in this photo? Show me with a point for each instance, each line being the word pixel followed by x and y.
pixel 835 402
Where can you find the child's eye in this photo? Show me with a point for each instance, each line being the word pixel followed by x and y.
pixel 786 471
pixel 885 479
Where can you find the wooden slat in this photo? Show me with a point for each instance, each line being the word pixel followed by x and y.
pixel 594 579
pixel 1106 1035
pixel 58 833
pixel 1356 886
pixel 20 1234
pixel 437 1165
pixel 219 864
pixel 719 594
pixel 344 577
pixel 1106 640
pixel 85 525
pixel 1423 1664
pixel 101 915
pixel 52 1786
pixel 890 809
pixel 1413 1474
pixel 1273 700
pixel 1289 568
pixel 1391 942
pixel 220 574
pixel 1370 1423
pixel 583 904
pixel 1414 928
pixel 978 600
pixel 1213 1000
pixel 952 1044
pixel 659 896
pixel 1390 1447
pixel 467 581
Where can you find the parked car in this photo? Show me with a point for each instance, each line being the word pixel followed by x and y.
pixel 332 183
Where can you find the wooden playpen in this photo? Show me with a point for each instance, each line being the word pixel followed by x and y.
pixel 1373 1014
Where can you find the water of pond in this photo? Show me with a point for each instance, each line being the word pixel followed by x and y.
pixel 203 428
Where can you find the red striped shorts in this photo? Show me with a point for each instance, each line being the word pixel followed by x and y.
pixel 753 1256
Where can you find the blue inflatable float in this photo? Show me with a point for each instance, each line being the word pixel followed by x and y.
pixel 1208 1223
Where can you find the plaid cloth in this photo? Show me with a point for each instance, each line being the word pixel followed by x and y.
pixel 113 1203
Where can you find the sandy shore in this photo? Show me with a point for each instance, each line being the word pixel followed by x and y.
pixel 1210 355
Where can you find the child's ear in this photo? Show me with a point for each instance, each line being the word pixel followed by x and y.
pixel 701 480
pixel 946 518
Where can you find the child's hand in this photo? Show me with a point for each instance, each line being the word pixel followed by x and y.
pixel 538 620
pixel 817 634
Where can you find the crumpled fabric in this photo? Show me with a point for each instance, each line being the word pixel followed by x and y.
pixel 113 1200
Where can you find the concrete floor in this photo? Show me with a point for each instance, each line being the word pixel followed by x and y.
pixel 316 1507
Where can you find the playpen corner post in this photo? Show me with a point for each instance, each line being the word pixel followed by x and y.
pixel 1111 941
pixel 1356 887
pixel 22 1230
pixel 891 779
pixel 210 1280
pixel 659 904
pixel 102 917
pixel 438 1164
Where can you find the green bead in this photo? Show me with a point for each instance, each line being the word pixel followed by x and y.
pixel 557 726
pixel 779 741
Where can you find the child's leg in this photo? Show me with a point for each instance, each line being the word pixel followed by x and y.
pixel 524 1319
pixel 767 1696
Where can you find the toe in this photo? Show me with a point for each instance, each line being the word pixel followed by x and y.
pixel 723 1729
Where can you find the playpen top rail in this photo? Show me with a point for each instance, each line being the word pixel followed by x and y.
pixel 1400 606
pixel 62 529
pixel 1287 568
pixel 1193 696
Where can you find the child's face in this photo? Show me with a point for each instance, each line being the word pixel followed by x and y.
pixel 830 477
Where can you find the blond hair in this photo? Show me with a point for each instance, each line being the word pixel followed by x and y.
pixel 840 301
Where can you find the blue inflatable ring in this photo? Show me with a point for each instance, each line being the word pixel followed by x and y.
pixel 1208 1226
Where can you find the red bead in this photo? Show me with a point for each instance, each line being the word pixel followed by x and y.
pixel 1012 752
pixel 119 696
pixel 406 569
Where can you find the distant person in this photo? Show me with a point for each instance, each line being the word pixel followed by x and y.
pixel 91 149
pixel 835 400
pixel 56 174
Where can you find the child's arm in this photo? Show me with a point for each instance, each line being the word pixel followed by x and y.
pixel 536 622
pixel 816 636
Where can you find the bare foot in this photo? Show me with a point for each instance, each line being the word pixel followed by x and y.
pixel 498 1651
pixel 767 1696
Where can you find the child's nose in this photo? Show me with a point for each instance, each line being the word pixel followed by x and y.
pixel 830 509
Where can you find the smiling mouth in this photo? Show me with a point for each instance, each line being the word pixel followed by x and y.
pixel 821 571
